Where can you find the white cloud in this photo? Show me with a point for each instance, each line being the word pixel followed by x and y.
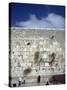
pixel 51 21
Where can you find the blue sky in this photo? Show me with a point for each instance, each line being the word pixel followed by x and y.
pixel 37 15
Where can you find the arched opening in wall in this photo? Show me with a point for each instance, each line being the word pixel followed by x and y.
pixel 38 79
